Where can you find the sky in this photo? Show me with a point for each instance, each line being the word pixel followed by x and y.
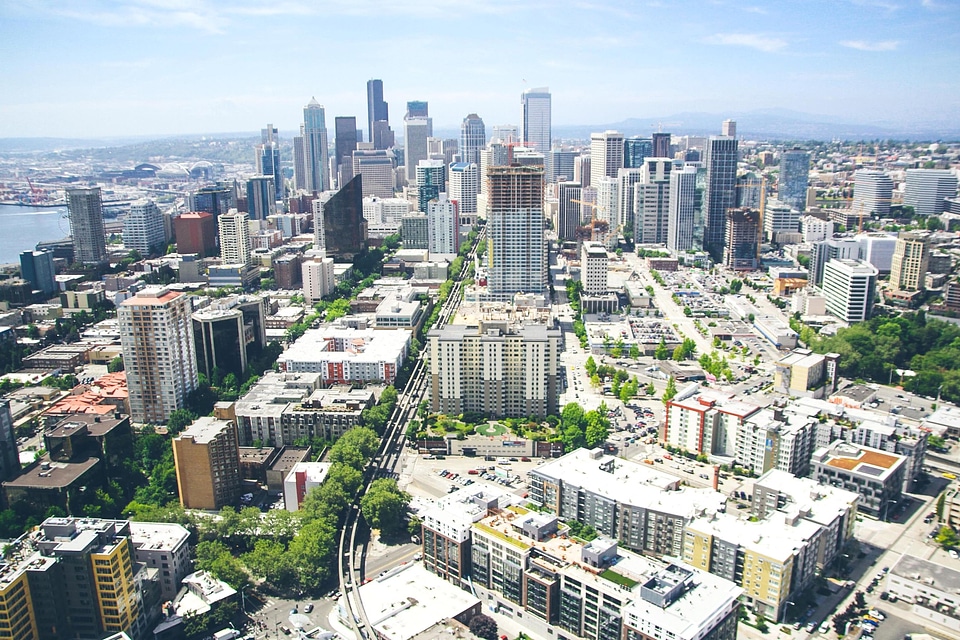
pixel 89 68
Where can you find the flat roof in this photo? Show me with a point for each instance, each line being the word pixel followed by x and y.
pixel 775 537
pixel 818 502
pixel 205 429
pixel 860 458
pixel 931 573
pixel 60 474
pixel 151 296
pixel 157 536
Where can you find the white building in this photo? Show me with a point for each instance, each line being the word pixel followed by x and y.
pixel 930 587
pixel 606 155
pixel 706 421
pixel 164 547
pixel 872 192
pixel 681 216
pixel 234 238
pixel 143 228
pixel 593 268
pixel 779 217
pixel 877 249
pixel 651 201
pixel 926 190
pixel 156 334
pixel 318 278
pixel 814 229
pixel 463 187
pixel 343 355
pixel 416 131
pixel 303 477
pixel 624 220
pixel 517 247
pixel 850 287
pixel 378 210
pixel 443 226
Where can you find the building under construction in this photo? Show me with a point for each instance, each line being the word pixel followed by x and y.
pixel 741 251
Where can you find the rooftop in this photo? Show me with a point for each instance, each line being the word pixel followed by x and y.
pixel 857 459
pixel 159 536
pixel 52 475
pixel 205 430
pixel 931 573
pixel 775 538
pixel 151 296
pixel 818 502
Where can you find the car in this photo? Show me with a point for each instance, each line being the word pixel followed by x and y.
pixel 524 459
pixel 285 629
pixel 824 627
pixel 418 557
pixel 811 626
pixel 953 554
pixel 473 472
pixel 294 611
pixel 307 608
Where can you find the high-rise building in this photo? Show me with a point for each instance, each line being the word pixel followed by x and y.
pixel 624 221
pixel 535 120
pixel 85 209
pixel 780 218
pixel 377 170
pixel 207 461
pixel 156 336
pixel 635 149
pixel 378 119
pixel 215 200
pixel 228 332
pixel 721 190
pixel 682 208
pixel 496 369
pixel 794 178
pixel 299 162
pixel 593 268
pixel 143 228
pixel 443 224
pixel 342 220
pixel 505 133
pixel 581 171
pixel 517 248
pixel 651 201
pixel 268 163
pixel 431 182
pixel 729 128
pixel 315 148
pixel 235 238
pixel 606 155
pixel 815 230
pixel 661 145
pixel 463 188
pixel 872 192
pixel 9 455
pixel 850 287
pixel 345 144
pixel 568 211
pixel 36 267
pixel 561 163
pixel 261 197
pixel 926 190
pixel 741 249
pixel 831 249
pixel 417 127
pixel 608 200
pixel 318 277
pixel 415 231
pixel 911 260
pixel 473 138
pixel 196 233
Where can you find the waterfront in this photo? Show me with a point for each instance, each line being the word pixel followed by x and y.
pixel 22 227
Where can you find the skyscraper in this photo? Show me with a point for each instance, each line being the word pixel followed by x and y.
pixel 660 142
pixel 85 209
pixel 623 222
pixel 473 138
pixel 378 131
pixel 342 220
pixel 608 200
pixel 872 191
pixel 463 188
pixel 850 287
pixel 376 167
pixel 299 162
pixel 143 228
pixel 635 149
pixel 729 128
pixel 911 260
pixel 927 189
pixel 741 248
pixel 606 155
pixel 535 121
pixel 9 456
pixel 318 277
pixel 431 182
pixel 37 268
pixel 234 238
pixel 561 163
pixel 505 133
pixel 417 127
pixel 794 178
pixel 568 210
pixel 682 208
pixel 317 166
pixel 517 248
pixel 652 201
pixel 345 144
pixel 261 198
pixel 268 159
pixel 443 225
pixel 721 191
pixel 156 335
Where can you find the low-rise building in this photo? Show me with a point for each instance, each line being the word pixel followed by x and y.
pixel 325 414
pixel 876 475
pixel 706 421
pixel 259 413
pixel 930 587
pixel 302 478
pixel 343 355
pixel 805 373
pixel 164 547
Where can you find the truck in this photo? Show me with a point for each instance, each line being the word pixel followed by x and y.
pixel 226 634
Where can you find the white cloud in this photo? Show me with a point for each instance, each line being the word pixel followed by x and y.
pixel 756 41
pixel 864 45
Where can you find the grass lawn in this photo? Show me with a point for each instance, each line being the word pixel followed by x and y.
pixel 491 429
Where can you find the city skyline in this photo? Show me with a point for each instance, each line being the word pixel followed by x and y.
pixel 83 70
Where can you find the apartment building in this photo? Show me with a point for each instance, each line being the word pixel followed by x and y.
pixel 805 373
pixel 876 475
pixel 164 547
pixel 775 439
pixel 706 421
pixel 208 464
pixel 346 355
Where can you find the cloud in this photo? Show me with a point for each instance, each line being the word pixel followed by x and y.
pixel 863 45
pixel 756 41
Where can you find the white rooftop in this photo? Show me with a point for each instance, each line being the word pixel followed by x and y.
pixel 773 537
pixel 159 536
pixel 820 503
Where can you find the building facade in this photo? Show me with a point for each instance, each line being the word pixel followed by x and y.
pixel 85 209
pixel 143 228
pixel 516 245
pixel 207 461
pixel 850 288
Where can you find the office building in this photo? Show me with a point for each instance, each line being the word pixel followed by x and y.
pixel 926 190
pixel 815 230
pixel 705 421
pixel 741 249
pixel 473 138
pixel 872 192
pixel 215 200
pixel 377 171
pixel 681 214
pixel 9 455
pixel 196 233
pixel 561 165
pixel 340 215
pixel 516 245
pixel 568 211
pixel 378 117
pixel 156 335
pixel 625 220
pixel 608 200
pixel 443 225
pixel 234 238
pixel 911 260
pixel 36 267
pixel 801 372
pixel 878 476
pixel 850 287
pixel 415 231
pixel 660 143
pixel 729 128
pixel 315 148
pixel 721 191
pixel 831 249
pixel 431 182
pixel 300 162
pixel 228 333
pixel 463 188
pixel 343 355
pixel 386 210
pixel 794 178
pixel 535 121
pixel 505 133
pixel 929 587
pixel 345 143
pixel 581 170
pixel 495 369
pixel 878 250
pixel 651 201
pixel 593 268
pixel 781 222
pixel 268 164
pixel 261 197
pixel 636 149
pixel 85 209
pixel 164 547
pixel 208 464
pixel 606 155
pixel 143 228
pixel 417 127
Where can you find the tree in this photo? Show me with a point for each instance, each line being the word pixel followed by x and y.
pixel 591 366
pixel 268 560
pixel 115 365
pixel 650 390
pixel 384 506
pixel 483 626
pixel 661 352
pixel 215 557
pixel 634 351
pixel 179 420
pixel 671 390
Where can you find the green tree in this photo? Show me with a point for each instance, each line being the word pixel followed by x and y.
pixel 483 626
pixel 634 351
pixel 591 366
pixel 661 352
pixel 384 506
pixel 650 390
pixel 215 557
pixel 179 420
pixel 311 551
pixel 268 560
pixel 115 365
pixel 670 392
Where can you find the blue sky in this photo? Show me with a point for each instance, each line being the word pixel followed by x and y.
pixel 82 68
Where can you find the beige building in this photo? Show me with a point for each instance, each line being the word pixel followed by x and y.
pixel 805 373
pixel 911 260
pixel 156 334
pixel 208 464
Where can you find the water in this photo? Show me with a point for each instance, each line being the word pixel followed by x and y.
pixel 22 227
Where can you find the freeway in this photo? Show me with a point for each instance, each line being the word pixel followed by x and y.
pixel 385 462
